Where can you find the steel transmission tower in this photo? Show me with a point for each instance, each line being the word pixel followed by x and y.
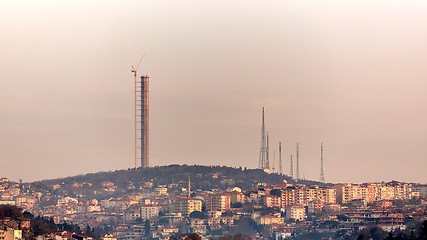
pixel 297 161
pixel 292 168
pixel 267 162
pixel 263 152
pixel 274 161
pixel 322 177
pixel 280 158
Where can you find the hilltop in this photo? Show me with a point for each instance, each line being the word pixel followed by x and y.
pixel 107 184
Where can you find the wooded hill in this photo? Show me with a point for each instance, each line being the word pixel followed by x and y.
pixel 173 176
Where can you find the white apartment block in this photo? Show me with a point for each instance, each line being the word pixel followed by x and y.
pixel 296 211
pixel 422 189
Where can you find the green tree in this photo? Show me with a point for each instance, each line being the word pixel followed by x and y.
pixel 9 211
pixel 147 228
pixel 227 213
pixel 389 236
pixel 237 205
pixel 423 235
pixel 330 224
pixel 342 217
pixel 186 236
pixel 163 221
pixel 197 214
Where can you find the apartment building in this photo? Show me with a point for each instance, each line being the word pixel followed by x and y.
pixel 296 211
pixel 218 202
pixel 186 206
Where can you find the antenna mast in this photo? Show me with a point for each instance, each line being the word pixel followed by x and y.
pixel 267 163
pixel 280 158
pixel 297 161
pixel 263 155
pixel 322 177
pixel 292 168
pixel 274 160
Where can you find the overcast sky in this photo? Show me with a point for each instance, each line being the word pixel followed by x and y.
pixel 350 74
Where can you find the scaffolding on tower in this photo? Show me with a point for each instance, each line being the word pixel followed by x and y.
pixel 141 117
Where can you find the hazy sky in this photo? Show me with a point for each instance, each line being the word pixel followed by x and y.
pixel 350 74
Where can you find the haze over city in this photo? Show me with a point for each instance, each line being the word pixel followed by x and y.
pixel 350 74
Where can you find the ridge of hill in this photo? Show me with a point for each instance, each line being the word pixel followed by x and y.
pixel 107 184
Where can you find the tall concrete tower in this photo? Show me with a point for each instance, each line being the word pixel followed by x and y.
pixel 144 121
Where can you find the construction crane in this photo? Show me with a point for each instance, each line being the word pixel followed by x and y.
pixel 134 70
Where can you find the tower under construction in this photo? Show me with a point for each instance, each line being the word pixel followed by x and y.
pixel 143 118
pixel 263 152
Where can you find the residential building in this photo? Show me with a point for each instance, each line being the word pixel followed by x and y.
pixel 218 202
pixel 296 211
pixel 327 195
pixel 149 211
pixel 10 234
pixel 288 197
pixel 422 189
pixel 269 219
pixel 186 206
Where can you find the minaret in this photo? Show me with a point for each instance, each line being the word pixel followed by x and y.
pixel 322 177
pixel 189 187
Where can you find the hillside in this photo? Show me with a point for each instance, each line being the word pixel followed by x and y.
pixel 106 184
